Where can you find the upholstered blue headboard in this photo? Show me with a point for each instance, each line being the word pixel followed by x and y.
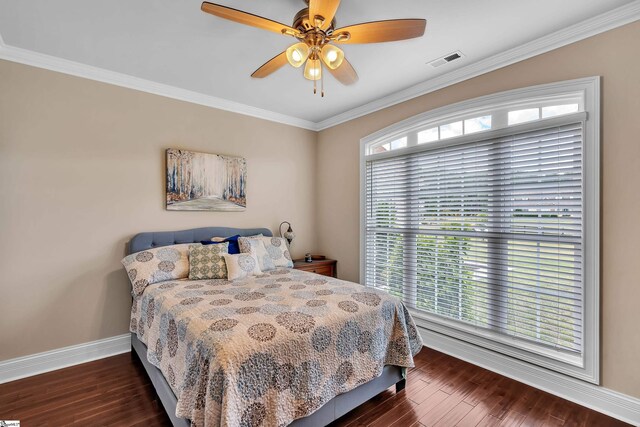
pixel 153 239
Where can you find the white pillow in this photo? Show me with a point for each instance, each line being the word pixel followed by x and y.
pixel 221 239
pixel 241 265
pixel 157 265
pixel 256 246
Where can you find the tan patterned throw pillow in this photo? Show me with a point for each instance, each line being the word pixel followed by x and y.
pixel 242 265
pixel 157 265
pixel 206 262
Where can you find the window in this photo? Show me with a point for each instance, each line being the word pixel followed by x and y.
pixel 450 130
pixel 523 116
pixel 428 135
pixel 557 110
pixel 477 124
pixel 482 231
pixel 393 145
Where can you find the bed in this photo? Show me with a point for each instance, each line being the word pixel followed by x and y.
pixel 283 348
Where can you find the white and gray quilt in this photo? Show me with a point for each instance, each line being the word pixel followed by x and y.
pixel 269 349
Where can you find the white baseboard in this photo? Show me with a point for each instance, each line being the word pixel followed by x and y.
pixel 612 403
pixel 26 366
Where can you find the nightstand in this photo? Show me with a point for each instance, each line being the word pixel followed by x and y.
pixel 326 267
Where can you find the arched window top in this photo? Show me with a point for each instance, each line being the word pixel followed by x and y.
pixel 483 114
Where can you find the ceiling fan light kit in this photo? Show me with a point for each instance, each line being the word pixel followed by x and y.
pixel 313 69
pixel 297 54
pixel 314 27
pixel 332 56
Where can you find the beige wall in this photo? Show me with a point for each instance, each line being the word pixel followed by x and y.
pixel 81 171
pixel 611 55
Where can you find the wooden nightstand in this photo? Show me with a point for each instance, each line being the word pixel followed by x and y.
pixel 326 267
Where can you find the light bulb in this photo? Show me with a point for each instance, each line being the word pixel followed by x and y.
pixel 313 70
pixel 297 54
pixel 332 56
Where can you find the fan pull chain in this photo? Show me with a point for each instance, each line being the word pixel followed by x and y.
pixel 314 87
pixel 322 85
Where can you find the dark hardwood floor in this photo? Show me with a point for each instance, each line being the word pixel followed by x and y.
pixel 441 391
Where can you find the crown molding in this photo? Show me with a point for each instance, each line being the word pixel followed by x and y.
pixel 48 62
pixel 582 30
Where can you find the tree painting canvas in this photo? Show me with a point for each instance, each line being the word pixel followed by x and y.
pixel 205 182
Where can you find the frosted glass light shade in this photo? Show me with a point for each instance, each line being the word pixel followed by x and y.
pixel 289 235
pixel 297 54
pixel 313 69
pixel 332 56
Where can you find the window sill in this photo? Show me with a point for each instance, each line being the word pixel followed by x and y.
pixel 546 358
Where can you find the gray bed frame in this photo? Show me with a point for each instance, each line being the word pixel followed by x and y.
pixel 330 411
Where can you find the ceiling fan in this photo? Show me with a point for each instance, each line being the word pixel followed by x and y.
pixel 314 27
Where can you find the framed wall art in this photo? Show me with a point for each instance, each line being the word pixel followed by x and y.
pixel 205 182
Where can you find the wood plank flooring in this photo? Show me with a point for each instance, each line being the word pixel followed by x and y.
pixel 441 391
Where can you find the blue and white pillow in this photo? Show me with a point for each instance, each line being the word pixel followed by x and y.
pixel 157 265
pixel 278 251
pixel 256 246
pixel 241 265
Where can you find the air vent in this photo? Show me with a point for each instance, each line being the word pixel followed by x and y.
pixel 446 59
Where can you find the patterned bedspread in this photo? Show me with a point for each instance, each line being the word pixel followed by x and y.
pixel 269 349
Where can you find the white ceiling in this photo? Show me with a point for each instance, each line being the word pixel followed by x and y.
pixel 174 43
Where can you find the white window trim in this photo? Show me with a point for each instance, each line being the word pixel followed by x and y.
pixel 588 368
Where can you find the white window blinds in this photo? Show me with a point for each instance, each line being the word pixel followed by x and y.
pixel 486 233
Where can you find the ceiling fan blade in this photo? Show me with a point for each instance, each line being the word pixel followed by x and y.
pixel 345 73
pixel 324 8
pixel 270 66
pixel 246 18
pixel 382 31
